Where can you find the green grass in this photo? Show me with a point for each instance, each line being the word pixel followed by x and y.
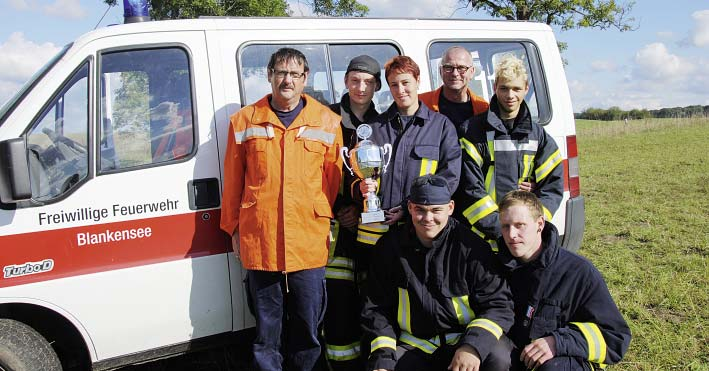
pixel 646 185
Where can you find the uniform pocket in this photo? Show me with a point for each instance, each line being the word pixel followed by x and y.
pixel 546 318
pixel 428 157
pixel 322 210
pixel 257 159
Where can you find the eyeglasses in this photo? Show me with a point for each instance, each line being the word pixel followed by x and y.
pixel 282 74
pixel 461 69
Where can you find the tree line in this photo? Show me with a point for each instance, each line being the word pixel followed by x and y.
pixel 615 113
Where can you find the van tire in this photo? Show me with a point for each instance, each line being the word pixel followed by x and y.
pixel 24 349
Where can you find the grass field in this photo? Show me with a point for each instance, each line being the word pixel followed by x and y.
pixel 647 229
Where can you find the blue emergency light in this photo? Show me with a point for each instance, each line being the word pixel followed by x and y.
pixel 135 11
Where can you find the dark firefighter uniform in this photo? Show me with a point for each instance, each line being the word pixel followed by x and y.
pixel 427 144
pixel 497 159
pixel 426 299
pixel 346 263
pixel 563 295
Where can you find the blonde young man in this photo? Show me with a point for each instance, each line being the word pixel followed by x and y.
pixel 282 171
pixel 505 150
pixel 454 98
pixel 565 318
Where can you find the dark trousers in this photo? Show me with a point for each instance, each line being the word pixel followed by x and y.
pixel 288 310
pixel 413 359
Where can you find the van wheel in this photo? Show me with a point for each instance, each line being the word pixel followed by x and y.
pixel 24 349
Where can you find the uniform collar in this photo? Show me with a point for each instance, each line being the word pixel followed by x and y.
pixel 349 120
pixel 523 121
pixel 550 250
pixel 423 113
pixel 263 114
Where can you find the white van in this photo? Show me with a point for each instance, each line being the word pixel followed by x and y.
pixel 110 171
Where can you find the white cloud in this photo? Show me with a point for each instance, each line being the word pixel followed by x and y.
pixel 700 33
pixel 70 9
pixel 20 59
pixel 654 62
pixel 411 8
pixel 603 66
pixel 22 5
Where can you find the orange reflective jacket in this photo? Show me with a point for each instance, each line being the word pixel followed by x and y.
pixel 431 99
pixel 280 184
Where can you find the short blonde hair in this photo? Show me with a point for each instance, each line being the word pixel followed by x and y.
pixel 524 198
pixel 510 68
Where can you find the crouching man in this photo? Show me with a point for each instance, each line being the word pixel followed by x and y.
pixel 433 300
pixel 565 318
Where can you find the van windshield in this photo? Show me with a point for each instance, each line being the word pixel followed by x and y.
pixel 9 106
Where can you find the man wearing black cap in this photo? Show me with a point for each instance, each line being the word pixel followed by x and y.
pixel 341 324
pixel 433 300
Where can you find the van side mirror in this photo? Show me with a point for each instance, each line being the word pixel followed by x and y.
pixel 14 171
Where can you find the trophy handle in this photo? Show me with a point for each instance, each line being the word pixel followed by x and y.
pixel 386 149
pixel 344 152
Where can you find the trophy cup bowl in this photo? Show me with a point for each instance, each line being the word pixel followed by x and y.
pixel 367 162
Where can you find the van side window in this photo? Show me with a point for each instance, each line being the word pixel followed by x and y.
pixel 485 56
pixel 57 141
pixel 146 108
pixel 327 63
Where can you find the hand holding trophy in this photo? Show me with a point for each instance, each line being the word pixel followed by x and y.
pixel 367 162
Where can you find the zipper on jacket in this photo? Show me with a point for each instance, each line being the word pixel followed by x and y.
pixel 285 275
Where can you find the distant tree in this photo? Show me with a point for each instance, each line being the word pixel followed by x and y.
pixel 568 14
pixel 185 9
pixel 341 8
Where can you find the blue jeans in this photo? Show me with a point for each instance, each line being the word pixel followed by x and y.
pixel 288 309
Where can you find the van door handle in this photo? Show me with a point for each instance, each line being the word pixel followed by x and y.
pixel 203 193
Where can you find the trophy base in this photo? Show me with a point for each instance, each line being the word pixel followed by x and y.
pixel 373 217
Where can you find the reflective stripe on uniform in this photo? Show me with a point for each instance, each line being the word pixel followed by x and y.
pixel 343 352
pixel 370 233
pixel 424 345
pixel 382 342
pixel 594 339
pixel 340 262
pixel 490 176
pixel 488 325
pixel 544 169
pixel 319 135
pixel 512 145
pixel 547 214
pixel 527 166
pixel 462 309
pixel 470 149
pixel 250 133
pixel 428 166
pixel 482 208
pixel 339 274
pixel 403 315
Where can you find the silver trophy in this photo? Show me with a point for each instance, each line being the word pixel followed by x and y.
pixel 367 160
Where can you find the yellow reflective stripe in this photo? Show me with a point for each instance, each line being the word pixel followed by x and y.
pixel 403 315
pixel 491 144
pixel 374 227
pixel 334 232
pixel 339 274
pixel 544 169
pixel 594 339
pixel 383 342
pixel 462 309
pixel 428 166
pixel 493 246
pixel 343 352
pixel 470 149
pixel 547 214
pixel 490 182
pixel 488 325
pixel 424 345
pixel 368 238
pixel 527 165
pixel 453 337
pixel 476 231
pixel 340 262
pixel 482 208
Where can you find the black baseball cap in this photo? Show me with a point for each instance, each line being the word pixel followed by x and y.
pixel 430 190
pixel 365 63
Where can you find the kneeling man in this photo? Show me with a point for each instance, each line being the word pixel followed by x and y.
pixel 433 300
pixel 565 318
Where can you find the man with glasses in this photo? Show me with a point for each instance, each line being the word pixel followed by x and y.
pixel 434 301
pixel 282 171
pixel 454 98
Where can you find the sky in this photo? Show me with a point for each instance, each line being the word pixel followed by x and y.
pixel 663 63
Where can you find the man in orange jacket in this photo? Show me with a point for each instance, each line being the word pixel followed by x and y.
pixel 282 172
pixel 454 98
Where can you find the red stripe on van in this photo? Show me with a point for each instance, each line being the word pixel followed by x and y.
pixel 565 163
pixel 72 252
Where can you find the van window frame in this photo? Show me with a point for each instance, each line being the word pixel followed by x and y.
pixel 98 113
pixel 536 73
pixel 90 62
pixel 294 43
